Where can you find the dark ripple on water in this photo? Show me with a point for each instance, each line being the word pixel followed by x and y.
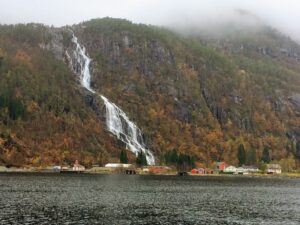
pixel 120 199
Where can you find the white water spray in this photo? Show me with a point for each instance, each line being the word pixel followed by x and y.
pixel 117 121
pixel 83 65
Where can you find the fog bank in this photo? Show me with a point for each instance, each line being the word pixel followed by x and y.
pixel 188 14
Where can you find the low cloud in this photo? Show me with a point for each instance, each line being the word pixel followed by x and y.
pixel 187 14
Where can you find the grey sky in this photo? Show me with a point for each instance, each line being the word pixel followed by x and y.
pixel 282 14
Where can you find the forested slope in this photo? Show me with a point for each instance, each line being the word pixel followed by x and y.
pixel 201 96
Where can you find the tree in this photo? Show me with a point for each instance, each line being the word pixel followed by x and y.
pixel 16 108
pixel 185 162
pixel 141 159
pixel 251 157
pixel 241 155
pixel 123 157
pixel 298 150
pixel 266 155
pixel 262 166
pixel 288 164
pixel 14 105
pixel 4 99
pixel 171 157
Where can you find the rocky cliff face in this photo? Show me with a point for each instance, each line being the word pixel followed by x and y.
pixel 191 82
pixel 201 97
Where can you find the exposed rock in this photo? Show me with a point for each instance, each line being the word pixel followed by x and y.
pixel 295 100
pixel 127 42
pixel 56 43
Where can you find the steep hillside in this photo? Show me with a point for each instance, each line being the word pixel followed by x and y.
pixel 44 118
pixel 198 95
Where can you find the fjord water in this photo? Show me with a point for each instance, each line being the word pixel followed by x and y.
pixel 117 121
pixel 121 199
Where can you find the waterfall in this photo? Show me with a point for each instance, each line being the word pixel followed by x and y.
pixel 82 65
pixel 119 124
pixel 117 121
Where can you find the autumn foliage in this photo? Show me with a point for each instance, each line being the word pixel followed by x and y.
pixel 183 93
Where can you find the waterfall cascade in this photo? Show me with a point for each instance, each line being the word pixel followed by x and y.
pixel 117 121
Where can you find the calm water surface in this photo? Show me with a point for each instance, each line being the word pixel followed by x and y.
pixel 121 199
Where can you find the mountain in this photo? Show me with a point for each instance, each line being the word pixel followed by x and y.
pixel 201 94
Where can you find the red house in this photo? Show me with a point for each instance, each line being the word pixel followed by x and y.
pixel 208 171
pixel 202 171
pixel 194 171
pixel 221 166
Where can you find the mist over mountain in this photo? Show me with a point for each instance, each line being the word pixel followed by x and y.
pixel 238 21
pixel 190 14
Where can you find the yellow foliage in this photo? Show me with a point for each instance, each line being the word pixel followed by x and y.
pixel 187 71
pixel 36 160
pixel 32 106
pixel 22 57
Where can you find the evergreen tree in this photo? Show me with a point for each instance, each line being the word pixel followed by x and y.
pixel 266 155
pixel 4 100
pixel 171 157
pixel 16 108
pixel 298 150
pixel 123 157
pixel 141 159
pixel 241 155
pixel 251 157
pixel 185 162
pixel 14 105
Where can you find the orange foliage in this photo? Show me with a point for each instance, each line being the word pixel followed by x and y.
pixel 22 57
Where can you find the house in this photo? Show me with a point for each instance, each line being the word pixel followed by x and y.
pixel 118 165
pixel 251 169
pixel 242 170
pixel 273 169
pixel 65 168
pixel 208 171
pixel 77 166
pixel 3 169
pixel 221 166
pixel 120 168
pixel 195 171
pixel 156 169
pixel 230 169
pixel 202 171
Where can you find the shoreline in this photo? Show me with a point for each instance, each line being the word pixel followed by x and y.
pixel 31 171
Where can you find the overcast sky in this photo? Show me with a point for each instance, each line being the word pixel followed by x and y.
pixel 281 14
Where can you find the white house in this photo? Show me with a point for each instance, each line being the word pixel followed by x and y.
pixel 251 169
pixel 118 165
pixel 273 168
pixel 230 169
pixel 3 169
pixel 242 170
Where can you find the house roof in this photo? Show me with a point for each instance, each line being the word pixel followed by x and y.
pixel 273 166
pixel 231 167
pixel 249 167
pixel 118 165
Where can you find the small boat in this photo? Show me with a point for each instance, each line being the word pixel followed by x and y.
pixel 182 173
